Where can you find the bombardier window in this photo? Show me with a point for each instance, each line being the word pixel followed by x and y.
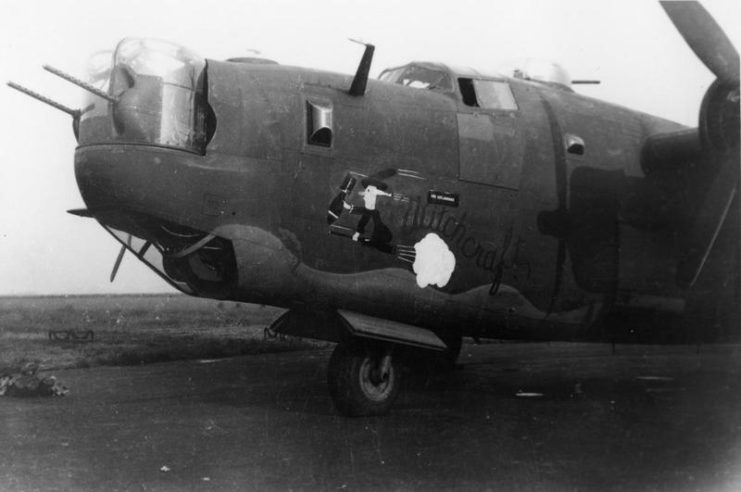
pixel 319 124
pixel 488 94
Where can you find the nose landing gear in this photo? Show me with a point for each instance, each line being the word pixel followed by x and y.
pixel 363 378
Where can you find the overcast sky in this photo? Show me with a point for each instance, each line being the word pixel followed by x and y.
pixel 630 45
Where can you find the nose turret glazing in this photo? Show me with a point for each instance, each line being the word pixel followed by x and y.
pixel 160 93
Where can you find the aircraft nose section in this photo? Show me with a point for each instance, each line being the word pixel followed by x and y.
pixel 135 179
pixel 93 181
pixel 149 199
pixel 104 181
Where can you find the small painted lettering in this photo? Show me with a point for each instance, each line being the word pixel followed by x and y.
pixel 435 197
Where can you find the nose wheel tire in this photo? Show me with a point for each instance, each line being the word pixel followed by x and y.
pixel 363 380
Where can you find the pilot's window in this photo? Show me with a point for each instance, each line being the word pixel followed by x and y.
pixel 319 124
pixel 489 94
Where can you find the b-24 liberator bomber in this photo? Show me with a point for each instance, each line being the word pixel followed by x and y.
pixel 397 216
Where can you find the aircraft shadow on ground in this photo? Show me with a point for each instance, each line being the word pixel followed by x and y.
pixel 301 387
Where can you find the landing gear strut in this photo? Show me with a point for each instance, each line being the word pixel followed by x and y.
pixel 363 379
pixel 454 343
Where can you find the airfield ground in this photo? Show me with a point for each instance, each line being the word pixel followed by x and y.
pixel 131 329
pixel 529 417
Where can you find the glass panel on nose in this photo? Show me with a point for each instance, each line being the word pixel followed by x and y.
pixel 160 92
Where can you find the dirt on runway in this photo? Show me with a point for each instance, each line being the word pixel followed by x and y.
pixel 516 417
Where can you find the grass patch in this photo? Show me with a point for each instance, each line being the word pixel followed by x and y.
pixel 134 329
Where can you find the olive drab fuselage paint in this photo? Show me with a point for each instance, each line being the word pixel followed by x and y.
pixel 272 184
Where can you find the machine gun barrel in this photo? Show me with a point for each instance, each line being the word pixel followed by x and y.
pixel 80 83
pixel 75 113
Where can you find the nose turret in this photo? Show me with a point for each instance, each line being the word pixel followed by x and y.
pixel 144 121
pixel 139 163
pixel 156 96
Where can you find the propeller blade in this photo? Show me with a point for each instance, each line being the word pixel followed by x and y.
pixel 118 263
pixel 705 37
pixel 709 221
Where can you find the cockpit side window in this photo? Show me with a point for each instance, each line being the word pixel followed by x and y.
pixel 487 94
pixel 493 94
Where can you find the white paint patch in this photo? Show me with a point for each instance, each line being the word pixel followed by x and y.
pixel 434 262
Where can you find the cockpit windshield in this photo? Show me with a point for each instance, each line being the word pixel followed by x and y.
pixel 418 77
pixel 160 94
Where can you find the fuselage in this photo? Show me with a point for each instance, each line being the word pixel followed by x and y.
pixel 490 206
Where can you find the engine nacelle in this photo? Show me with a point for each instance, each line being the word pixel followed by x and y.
pixel 719 118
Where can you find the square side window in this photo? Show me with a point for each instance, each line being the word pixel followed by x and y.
pixel 493 94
